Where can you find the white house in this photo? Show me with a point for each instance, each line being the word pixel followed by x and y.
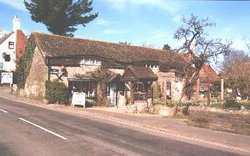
pixel 12 45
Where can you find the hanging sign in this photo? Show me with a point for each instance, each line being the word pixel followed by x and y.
pixel 54 71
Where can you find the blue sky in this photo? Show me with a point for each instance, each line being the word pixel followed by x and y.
pixel 146 22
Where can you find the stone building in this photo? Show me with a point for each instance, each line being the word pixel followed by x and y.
pixel 132 69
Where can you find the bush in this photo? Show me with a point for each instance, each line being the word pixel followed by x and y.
pixel 246 104
pixel 56 92
pixel 232 104
pixel 162 102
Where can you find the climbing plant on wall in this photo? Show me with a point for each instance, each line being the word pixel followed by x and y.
pixel 25 63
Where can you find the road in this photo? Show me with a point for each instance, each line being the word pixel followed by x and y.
pixel 27 130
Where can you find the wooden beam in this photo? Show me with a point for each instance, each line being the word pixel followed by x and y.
pixel 222 89
pixel 197 89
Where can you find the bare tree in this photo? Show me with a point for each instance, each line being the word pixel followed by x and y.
pixel 236 67
pixel 199 48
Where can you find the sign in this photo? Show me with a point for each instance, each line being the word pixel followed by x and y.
pixel 54 71
pixel 78 99
pixel 6 78
pixel 1 65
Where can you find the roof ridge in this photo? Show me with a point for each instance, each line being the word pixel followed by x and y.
pixel 105 42
pixel 5 37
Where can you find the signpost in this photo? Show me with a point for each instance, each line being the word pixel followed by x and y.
pixel 78 99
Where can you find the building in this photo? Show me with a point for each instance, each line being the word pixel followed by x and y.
pixel 12 46
pixel 132 69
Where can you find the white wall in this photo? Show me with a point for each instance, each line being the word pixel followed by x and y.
pixel 4 48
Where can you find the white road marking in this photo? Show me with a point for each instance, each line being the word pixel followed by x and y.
pixel 3 111
pixel 59 136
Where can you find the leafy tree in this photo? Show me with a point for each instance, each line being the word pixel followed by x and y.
pixel 198 47
pixel 61 16
pixel 166 47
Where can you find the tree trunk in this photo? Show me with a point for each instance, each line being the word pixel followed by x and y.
pixel 101 97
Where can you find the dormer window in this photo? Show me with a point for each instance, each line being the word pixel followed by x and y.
pixel 152 66
pixel 11 45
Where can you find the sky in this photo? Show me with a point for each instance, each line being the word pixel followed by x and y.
pixel 146 22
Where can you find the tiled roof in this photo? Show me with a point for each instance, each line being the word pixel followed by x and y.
pixel 208 72
pixel 138 73
pixel 21 41
pixel 54 45
pixel 5 37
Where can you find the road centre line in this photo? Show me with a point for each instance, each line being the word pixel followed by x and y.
pixel 51 132
pixel 3 111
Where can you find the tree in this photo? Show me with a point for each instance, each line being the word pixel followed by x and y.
pixel 198 47
pixel 236 68
pixel 166 47
pixel 124 43
pixel 61 16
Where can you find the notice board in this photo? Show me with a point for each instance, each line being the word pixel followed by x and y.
pixel 78 99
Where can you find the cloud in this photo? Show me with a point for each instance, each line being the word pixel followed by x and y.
pixel 239 44
pixel 102 22
pixel 17 4
pixel 165 5
pixel 117 4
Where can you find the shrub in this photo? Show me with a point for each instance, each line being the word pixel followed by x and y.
pixel 156 90
pixel 246 104
pixel 56 92
pixel 162 102
pixel 232 104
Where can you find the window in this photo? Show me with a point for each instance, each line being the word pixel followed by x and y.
pixel 11 45
pixel 6 57
pixel 87 86
pixel 168 90
pixel 140 87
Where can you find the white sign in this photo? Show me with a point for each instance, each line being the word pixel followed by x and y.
pixel 78 99
pixel 7 77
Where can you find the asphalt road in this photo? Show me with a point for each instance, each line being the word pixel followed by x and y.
pixel 27 130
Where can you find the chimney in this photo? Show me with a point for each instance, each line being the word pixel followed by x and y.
pixel 16 24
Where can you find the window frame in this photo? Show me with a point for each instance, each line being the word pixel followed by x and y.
pixel 11 45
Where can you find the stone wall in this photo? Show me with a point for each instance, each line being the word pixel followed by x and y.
pixel 222 120
pixel 176 86
pixel 36 81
